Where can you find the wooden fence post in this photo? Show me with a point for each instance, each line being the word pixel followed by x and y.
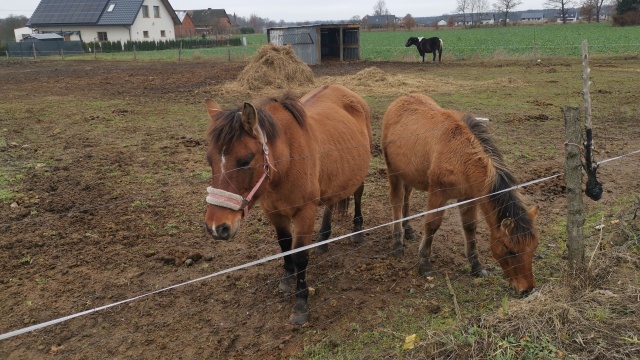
pixel 573 177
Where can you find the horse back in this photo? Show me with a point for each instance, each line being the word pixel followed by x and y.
pixel 431 147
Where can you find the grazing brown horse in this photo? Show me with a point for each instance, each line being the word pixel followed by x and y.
pixel 451 155
pixel 291 156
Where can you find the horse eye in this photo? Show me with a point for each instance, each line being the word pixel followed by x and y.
pixel 245 162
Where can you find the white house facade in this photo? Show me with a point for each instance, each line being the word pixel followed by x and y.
pixel 107 20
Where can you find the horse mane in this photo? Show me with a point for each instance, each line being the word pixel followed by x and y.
pixel 228 125
pixel 508 204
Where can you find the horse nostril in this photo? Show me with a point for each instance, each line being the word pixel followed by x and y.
pixel 223 231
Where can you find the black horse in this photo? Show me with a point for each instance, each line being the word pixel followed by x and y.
pixel 430 45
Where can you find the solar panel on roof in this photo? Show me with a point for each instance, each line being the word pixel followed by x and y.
pixel 68 11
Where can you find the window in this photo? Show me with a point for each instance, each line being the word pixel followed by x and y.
pixel 145 34
pixel 102 36
pixel 110 8
pixel 162 34
pixel 156 11
pixel 145 11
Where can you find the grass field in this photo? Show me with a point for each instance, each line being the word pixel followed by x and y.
pixel 492 42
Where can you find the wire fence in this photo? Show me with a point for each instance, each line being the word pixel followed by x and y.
pixel 266 259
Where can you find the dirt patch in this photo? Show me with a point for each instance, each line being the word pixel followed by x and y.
pixel 106 161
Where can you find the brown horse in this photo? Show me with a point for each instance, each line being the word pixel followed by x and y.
pixel 291 156
pixel 451 155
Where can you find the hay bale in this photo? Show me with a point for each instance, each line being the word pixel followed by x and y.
pixel 275 67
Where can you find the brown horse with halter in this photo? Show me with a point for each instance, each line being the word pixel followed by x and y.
pixel 450 155
pixel 291 156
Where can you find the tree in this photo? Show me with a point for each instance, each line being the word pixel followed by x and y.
pixel 588 10
pixel 480 8
pixel 562 6
pixel 409 21
pixel 627 13
pixel 7 26
pixel 506 6
pixel 380 8
pixel 463 6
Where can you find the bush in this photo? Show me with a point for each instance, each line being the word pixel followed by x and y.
pixel 629 18
pixel 247 30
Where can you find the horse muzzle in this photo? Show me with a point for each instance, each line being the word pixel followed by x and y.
pixel 223 231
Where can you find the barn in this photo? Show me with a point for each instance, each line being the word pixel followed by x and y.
pixel 314 44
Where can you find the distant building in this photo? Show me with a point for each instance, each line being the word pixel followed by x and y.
pixel 379 21
pixel 187 27
pixel 532 16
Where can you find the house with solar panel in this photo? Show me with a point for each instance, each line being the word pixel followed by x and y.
pixel 106 20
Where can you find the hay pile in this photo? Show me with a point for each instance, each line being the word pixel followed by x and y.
pixel 275 67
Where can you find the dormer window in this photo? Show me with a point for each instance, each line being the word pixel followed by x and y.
pixel 110 8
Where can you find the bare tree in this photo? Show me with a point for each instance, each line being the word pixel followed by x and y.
pixel 463 6
pixel 588 9
pixel 380 8
pixel 599 4
pixel 480 8
pixel 505 7
pixel 562 6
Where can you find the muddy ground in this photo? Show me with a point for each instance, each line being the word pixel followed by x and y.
pixel 105 165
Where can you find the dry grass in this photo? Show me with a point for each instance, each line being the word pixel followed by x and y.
pixel 275 67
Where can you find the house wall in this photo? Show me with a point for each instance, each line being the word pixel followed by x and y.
pixel 187 28
pixel 153 25
pixel 90 33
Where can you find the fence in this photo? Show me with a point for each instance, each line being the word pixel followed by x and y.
pixel 33 49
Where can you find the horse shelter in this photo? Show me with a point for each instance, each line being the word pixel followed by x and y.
pixel 322 42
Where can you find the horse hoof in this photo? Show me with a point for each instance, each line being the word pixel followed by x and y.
pixel 300 314
pixel 482 273
pixel 409 234
pixel 322 249
pixel 398 251
pixel 425 270
pixel 357 238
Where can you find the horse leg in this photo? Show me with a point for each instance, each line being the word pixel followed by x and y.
pixel 283 231
pixel 396 197
pixel 357 216
pixel 431 225
pixel 434 56
pixel 325 229
pixel 408 230
pixel 303 229
pixel 468 215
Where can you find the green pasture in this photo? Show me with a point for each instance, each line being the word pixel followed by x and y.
pixel 513 42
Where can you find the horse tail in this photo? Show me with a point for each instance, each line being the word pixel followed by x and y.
pixel 342 207
pixel 508 204
pixel 441 44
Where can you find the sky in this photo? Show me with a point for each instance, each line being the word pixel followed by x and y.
pixel 292 10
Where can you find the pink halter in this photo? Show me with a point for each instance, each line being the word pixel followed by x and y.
pixel 236 202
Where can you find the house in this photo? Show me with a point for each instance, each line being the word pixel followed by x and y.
pixel 106 20
pixel 187 27
pixel 379 21
pixel 532 16
pixel 442 23
pixel 210 21
pixel 485 19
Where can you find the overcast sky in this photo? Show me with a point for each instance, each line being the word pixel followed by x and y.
pixel 292 10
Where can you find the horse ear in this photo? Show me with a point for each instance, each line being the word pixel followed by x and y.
pixel 507 225
pixel 250 121
pixel 212 108
pixel 533 212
